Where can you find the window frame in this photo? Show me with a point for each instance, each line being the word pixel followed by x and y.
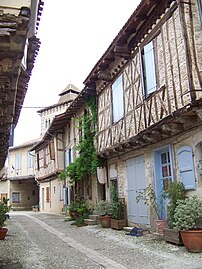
pixel 18 161
pixel 30 159
pixel 16 200
pixel 115 90
pixel 146 65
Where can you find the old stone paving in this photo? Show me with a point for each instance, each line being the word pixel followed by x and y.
pixel 37 240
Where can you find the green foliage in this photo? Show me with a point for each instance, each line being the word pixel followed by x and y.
pixel 117 206
pixel 79 210
pixel 174 192
pixel 103 208
pixel 4 209
pixel 87 162
pixel 148 195
pixel 188 213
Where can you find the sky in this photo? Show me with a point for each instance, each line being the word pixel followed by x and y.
pixel 74 34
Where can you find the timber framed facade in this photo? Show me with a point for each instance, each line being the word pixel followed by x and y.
pixel 149 91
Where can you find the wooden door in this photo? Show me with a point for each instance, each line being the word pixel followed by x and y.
pixel 136 181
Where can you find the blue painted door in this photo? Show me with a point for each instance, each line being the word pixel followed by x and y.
pixel 163 174
pixel 136 181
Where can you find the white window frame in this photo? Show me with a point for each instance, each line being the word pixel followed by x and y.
pixel 15 197
pixel 117 99
pixel 18 158
pixel 30 160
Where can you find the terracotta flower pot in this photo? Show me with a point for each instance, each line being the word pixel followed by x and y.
pixel 192 240
pixel 160 225
pixel 3 232
pixel 105 221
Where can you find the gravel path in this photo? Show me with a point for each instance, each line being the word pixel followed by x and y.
pixel 45 241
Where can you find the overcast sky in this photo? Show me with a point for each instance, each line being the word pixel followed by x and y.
pixel 74 35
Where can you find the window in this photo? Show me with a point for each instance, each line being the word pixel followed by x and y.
pixel 47 194
pixel 52 150
pixel 69 132
pixel 200 10
pixel 117 99
pixel 44 157
pixel 18 161
pixel 148 69
pixel 30 160
pixel 15 197
pixel 61 191
pixel 37 158
pixel 66 157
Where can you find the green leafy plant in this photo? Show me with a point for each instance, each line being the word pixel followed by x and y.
pixel 117 206
pixel 174 192
pixel 188 213
pixel 79 210
pixel 148 195
pixel 86 164
pixel 4 209
pixel 103 208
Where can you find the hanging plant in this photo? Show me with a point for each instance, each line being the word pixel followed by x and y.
pixel 86 164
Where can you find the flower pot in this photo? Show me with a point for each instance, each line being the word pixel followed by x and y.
pixel 105 221
pixel 118 224
pixel 173 236
pixel 160 225
pixel 192 240
pixel 3 232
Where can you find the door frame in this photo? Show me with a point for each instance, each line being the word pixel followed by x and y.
pixel 156 170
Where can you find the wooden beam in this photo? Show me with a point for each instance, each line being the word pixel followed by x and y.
pixel 105 76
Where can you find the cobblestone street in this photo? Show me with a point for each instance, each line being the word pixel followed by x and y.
pixel 37 240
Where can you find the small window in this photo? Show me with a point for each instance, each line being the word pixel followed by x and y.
pixel 44 157
pixel 52 150
pixel 37 158
pixel 69 132
pixel 15 197
pixel 61 191
pixel 117 99
pixel 18 161
pixel 53 189
pixel 47 194
pixel 148 69
pixel 30 160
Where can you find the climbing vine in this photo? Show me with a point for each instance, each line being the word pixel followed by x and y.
pixel 86 164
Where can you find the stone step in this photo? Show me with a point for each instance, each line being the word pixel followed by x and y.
pixel 90 222
pixel 94 217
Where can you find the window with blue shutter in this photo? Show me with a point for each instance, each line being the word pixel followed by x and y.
pixel 117 99
pixel 148 69
pixel 186 167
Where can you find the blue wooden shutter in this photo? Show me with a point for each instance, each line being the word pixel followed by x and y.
pixel 186 167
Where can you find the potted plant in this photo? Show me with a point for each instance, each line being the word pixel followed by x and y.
pixel 104 211
pixel 35 208
pixel 4 209
pixel 174 192
pixel 78 211
pixel 117 211
pixel 148 195
pixel 188 219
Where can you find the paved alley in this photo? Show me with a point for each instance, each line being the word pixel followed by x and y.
pixel 45 241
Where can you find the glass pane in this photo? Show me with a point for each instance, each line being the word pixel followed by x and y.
pixel 165 183
pixel 163 158
pixel 169 168
pixel 164 171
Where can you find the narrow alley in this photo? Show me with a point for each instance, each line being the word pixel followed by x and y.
pixel 46 241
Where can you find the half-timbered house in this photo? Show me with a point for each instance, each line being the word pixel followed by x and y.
pixel 149 90
pixel 19 21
